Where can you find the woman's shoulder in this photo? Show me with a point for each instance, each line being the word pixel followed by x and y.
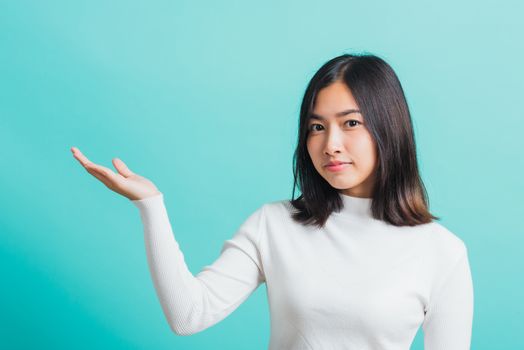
pixel 274 211
pixel 444 241
pixel 271 210
pixel 278 207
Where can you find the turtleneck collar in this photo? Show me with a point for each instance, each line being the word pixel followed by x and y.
pixel 356 205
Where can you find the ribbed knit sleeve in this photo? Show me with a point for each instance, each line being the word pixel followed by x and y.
pixel 193 303
pixel 449 317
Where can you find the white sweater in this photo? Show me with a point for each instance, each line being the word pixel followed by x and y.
pixel 358 283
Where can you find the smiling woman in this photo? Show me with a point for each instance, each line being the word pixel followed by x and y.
pixel 354 112
pixel 368 275
pixel 341 147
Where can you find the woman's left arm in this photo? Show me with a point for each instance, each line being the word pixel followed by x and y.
pixel 449 317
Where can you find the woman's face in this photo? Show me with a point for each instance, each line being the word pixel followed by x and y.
pixel 343 138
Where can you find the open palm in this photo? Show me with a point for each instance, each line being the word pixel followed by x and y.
pixel 124 182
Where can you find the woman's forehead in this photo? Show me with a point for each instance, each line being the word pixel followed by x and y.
pixel 333 100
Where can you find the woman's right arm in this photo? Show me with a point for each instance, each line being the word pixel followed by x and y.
pixel 190 303
pixel 194 303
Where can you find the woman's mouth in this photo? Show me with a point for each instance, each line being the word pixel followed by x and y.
pixel 337 167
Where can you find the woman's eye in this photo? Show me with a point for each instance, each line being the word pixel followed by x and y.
pixel 356 121
pixel 312 127
pixel 352 121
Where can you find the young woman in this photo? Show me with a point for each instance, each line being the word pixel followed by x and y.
pixel 355 262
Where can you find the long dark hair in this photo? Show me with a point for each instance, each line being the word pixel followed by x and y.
pixel 399 196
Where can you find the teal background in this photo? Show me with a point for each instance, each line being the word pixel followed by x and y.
pixel 203 99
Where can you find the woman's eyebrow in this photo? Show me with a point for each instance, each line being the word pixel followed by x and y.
pixel 339 114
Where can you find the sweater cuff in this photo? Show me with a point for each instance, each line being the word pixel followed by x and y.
pixel 149 204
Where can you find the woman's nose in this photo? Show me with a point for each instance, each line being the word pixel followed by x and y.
pixel 333 142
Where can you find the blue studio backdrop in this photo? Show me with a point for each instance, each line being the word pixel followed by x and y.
pixel 202 98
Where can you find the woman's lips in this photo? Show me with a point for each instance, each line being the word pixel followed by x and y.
pixel 337 167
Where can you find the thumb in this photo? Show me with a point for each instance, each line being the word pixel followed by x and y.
pixel 122 168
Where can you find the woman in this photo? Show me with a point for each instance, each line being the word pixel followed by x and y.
pixel 355 262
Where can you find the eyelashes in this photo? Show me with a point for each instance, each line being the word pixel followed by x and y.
pixel 312 126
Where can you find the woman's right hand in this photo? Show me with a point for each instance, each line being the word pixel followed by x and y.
pixel 125 182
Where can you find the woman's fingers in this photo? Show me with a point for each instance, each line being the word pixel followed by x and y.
pixel 117 162
pixel 100 176
pixel 106 175
pixel 121 167
pixel 80 156
pixel 105 172
pixel 124 182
